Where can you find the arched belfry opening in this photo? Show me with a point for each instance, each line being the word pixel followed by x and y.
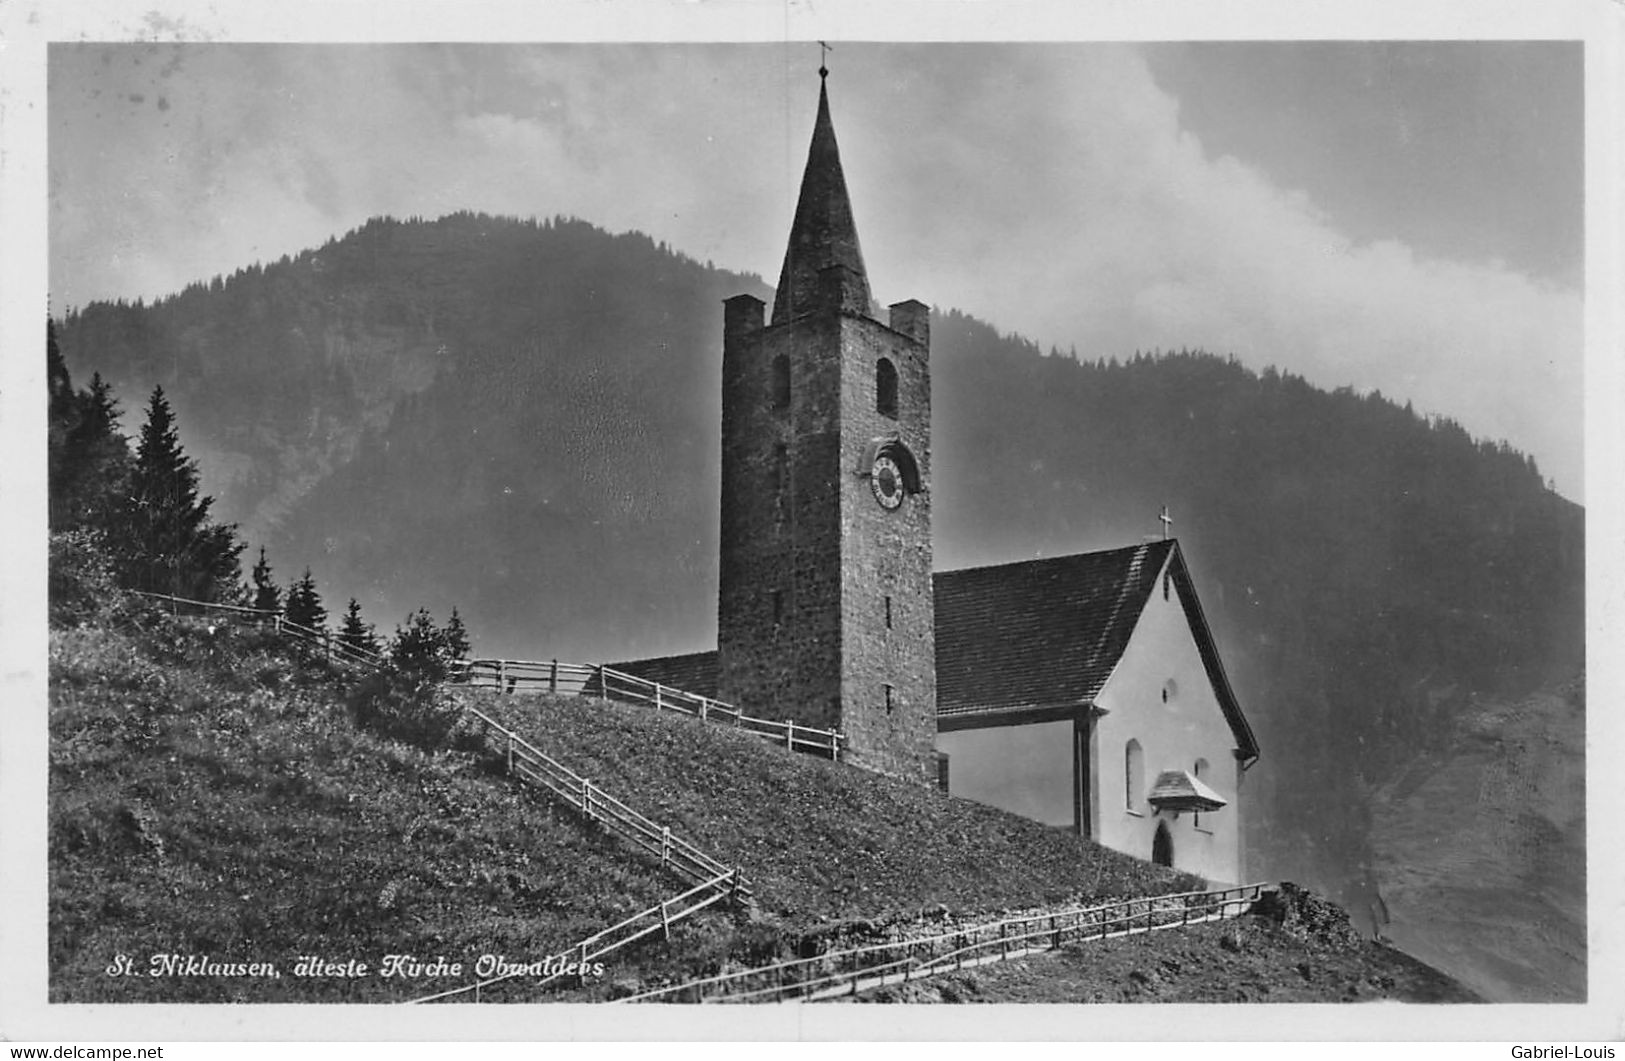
pixel 886 388
pixel 1162 846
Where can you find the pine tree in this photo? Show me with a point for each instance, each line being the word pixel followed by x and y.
pixel 62 418
pixel 101 458
pixel 87 458
pixel 267 597
pixel 305 604
pixel 355 633
pixel 454 638
pixel 167 540
pixel 417 649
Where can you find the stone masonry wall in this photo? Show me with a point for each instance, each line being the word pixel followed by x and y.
pixel 888 554
pixel 808 555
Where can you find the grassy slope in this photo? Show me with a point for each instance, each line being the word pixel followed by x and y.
pixel 211 796
pixel 822 841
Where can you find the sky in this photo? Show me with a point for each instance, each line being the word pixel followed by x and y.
pixel 1404 217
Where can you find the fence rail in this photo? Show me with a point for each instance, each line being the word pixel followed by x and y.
pixel 657 918
pixel 528 762
pixel 512 676
pixel 332 645
pixel 858 969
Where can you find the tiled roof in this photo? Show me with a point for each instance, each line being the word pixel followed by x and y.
pixel 694 673
pixel 1016 639
pixel 1040 633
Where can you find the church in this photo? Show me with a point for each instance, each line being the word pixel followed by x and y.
pixel 1081 691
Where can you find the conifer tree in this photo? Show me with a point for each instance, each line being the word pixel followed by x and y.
pixel 454 638
pixel 418 648
pixel 267 596
pixel 87 458
pixel 62 418
pixel 355 633
pixel 305 604
pixel 168 541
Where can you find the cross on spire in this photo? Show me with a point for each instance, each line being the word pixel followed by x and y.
pixel 1166 520
pixel 823 57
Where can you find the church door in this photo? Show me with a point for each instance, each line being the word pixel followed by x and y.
pixel 1162 846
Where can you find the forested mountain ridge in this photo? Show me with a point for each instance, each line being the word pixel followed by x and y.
pixel 276 370
pixel 523 419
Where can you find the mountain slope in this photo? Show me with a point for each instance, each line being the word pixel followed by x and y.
pixel 1481 853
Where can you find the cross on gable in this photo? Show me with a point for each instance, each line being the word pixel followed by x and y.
pixel 1166 520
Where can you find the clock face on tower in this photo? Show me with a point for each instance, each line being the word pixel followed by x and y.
pixel 886 480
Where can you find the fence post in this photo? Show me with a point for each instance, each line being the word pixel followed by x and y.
pixel 665 921
pixel 603 684
pixel 657 698
pixel 509 732
pixel 790 733
pixel 703 703
pixel 553 678
pixel 665 844
pixel 502 677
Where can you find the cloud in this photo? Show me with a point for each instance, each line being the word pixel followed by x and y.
pixel 1050 189
pixel 1099 222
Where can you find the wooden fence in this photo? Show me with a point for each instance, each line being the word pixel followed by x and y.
pixel 847 972
pixel 512 676
pixel 332 646
pixel 527 762
pixel 657 918
pixel 716 882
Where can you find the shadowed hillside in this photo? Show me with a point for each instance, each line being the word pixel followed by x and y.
pixel 523 419
pixel 212 795
pixel 213 800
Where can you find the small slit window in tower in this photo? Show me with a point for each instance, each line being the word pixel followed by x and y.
pixel 886 388
pixel 887 689
pixel 781 473
pixel 888 611
pixel 778 607
pixel 781 384
pixel 1167 579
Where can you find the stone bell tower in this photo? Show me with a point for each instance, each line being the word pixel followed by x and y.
pixel 825 602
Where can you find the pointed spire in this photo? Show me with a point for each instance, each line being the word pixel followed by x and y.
pixel 823 233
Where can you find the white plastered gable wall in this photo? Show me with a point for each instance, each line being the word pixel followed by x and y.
pixel 1172 735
